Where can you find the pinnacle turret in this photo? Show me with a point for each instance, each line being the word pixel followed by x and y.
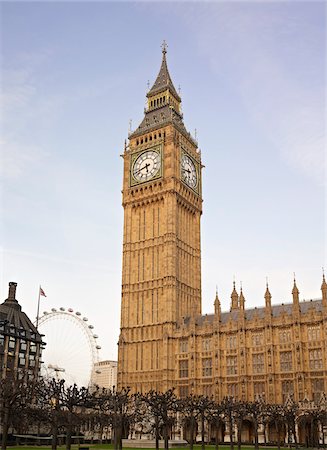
pixel 324 290
pixel 296 296
pixel 234 297
pixel 268 297
pixel 242 300
pixel 217 304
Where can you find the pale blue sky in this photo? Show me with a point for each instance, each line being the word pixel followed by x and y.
pixel 253 84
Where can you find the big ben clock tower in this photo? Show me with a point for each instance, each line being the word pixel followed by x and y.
pixel 161 277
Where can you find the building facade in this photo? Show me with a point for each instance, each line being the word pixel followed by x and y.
pixel 105 374
pixel 20 342
pixel 165 341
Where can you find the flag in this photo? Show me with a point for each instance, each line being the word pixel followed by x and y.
pixel 42 292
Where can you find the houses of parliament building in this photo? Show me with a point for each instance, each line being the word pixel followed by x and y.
pixel 270 351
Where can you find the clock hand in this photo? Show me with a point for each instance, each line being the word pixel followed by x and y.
pixel 141 168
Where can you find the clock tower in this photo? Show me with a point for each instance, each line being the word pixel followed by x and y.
pixel 161 276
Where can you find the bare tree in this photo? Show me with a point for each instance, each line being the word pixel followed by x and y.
pixel 216 420
pixel 50 401
pixel 162 408
pixel 16 395
pixel 190 410
pixel 74 400
pixel 228 406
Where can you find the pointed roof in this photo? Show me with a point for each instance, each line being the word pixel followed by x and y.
pixel 14 318
pixel 267 293
pixel 295 288
pixel 234 297
pixel 163 80
pixel 324 284
pixel 242 299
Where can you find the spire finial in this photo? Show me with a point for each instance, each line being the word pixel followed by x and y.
pixel 164 47
pixel 216 290
pixel 294 277
pixel 241 286
pixel 323 273
pixel 267 282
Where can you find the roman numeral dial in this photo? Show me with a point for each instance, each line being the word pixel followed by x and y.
pixel 146 165
pixel 189 172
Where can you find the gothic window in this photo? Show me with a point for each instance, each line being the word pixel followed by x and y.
pixel 207 390
pixel 232 390
pixel 314 333
pixel 287 388
pixel 23 346
pixel 183 346
pixel 257 339
pixel 206 344
pixel 285 336
pixel 207 367
pixel 231 341
pixel 183 391
pixel 317 389
pixel 231 365
pixel 183 369
pixel 315 359
pixel 258 362
pixel 286 361
pixel 259 390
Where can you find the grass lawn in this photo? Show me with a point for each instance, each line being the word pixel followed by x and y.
pixel 110 446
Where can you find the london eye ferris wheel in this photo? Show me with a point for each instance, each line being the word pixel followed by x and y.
pixel 71 346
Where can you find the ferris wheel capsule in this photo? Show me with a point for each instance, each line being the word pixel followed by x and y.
pixel 78 313
pixel 70 310
pixel 62 309
pixel 85 319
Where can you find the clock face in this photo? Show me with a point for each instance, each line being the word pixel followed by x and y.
pixel 146 165
pixel 188 171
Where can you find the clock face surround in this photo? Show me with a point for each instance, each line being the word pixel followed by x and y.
pixel 146 166
pixel 188 171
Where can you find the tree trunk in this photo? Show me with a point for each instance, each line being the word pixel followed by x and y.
pixel 231 439
pixel 295 436
pixel 69 433
pixel 54 440
pixel 202 433
pixel 239 434
pixel 165 430
pixel 217 437
pixel 256 437
pixel 192 434
pixel 157 434
pixel 278 434
pixel 5 428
